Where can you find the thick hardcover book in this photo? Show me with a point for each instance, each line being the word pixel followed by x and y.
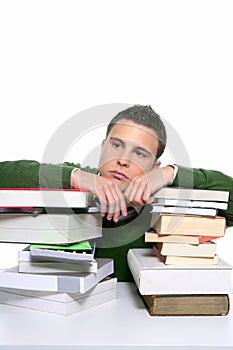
pixel 49 228
pixel 61 303
pixel 207 249
pixel 152 237
pixel 187 305
pixel 192 194
pixel 153 277
pixel 44 197
pixel 184 210
pixel 188 225
pixel 76 283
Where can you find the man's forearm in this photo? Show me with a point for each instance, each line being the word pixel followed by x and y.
pixel 168 172
pixel 30 173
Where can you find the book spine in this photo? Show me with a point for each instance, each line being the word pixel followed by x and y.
pixel 187 305
pixel 134 266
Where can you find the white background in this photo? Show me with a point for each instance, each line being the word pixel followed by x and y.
pixel 61 57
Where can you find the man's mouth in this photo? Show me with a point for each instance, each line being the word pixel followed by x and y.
pixel 118 175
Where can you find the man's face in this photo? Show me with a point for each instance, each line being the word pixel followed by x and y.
pixel 129 150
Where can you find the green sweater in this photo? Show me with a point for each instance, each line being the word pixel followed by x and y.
pixel 117 238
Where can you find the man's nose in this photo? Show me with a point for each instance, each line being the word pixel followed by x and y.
pixel 122 161
pixel 124 157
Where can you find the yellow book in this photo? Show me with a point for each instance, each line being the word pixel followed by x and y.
pixel 188 225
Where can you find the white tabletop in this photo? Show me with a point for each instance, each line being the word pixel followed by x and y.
pixel 120 324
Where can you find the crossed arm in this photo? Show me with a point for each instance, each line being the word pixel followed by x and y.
pixel 113 201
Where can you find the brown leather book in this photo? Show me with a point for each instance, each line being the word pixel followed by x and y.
pixel 187 304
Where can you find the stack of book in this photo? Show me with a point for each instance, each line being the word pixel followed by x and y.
pixel 50 216
pixel 184 224
pixel 57 272
pixel 177 290
pixel 183 217
pixel 63 303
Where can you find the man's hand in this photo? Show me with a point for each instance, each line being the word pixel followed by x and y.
pixel 141 189
pixel 112 200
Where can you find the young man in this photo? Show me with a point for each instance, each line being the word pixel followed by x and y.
pixel 129 174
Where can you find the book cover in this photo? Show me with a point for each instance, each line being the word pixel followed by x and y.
pixel 56 267
pixel 70 253
pixel 152 237
pixel 44 197
pixel 153 277
pixel 184 210
pixel 49 228
pixel 188 225
pixel 189 203
pixel 84 246
pixel 61 303
pixel 187 305
pixel 192 194
pixel 28 264
pixel 76 283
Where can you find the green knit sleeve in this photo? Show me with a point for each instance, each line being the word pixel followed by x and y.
pixel 30 173
pixel 207 179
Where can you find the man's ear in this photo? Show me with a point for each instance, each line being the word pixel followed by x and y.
pixel 157 164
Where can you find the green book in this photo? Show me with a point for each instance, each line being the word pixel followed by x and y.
pixel 83 246
pixel 82 251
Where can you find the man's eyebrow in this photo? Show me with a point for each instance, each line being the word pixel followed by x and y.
pixel 143 149
pixel 117 139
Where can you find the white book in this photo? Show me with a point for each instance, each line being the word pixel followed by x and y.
pixel 76 283
pixel 190 203
pixel 154 277
pixel 51 267
pixel 44 197
pixel 61 303
pixel 192 194
pixel 25 255
pixel 59 255
pixel 49 228
pixel 184 210
pixel 28 264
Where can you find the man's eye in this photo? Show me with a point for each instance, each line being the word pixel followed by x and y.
pixel 140 154
pixel 116 144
